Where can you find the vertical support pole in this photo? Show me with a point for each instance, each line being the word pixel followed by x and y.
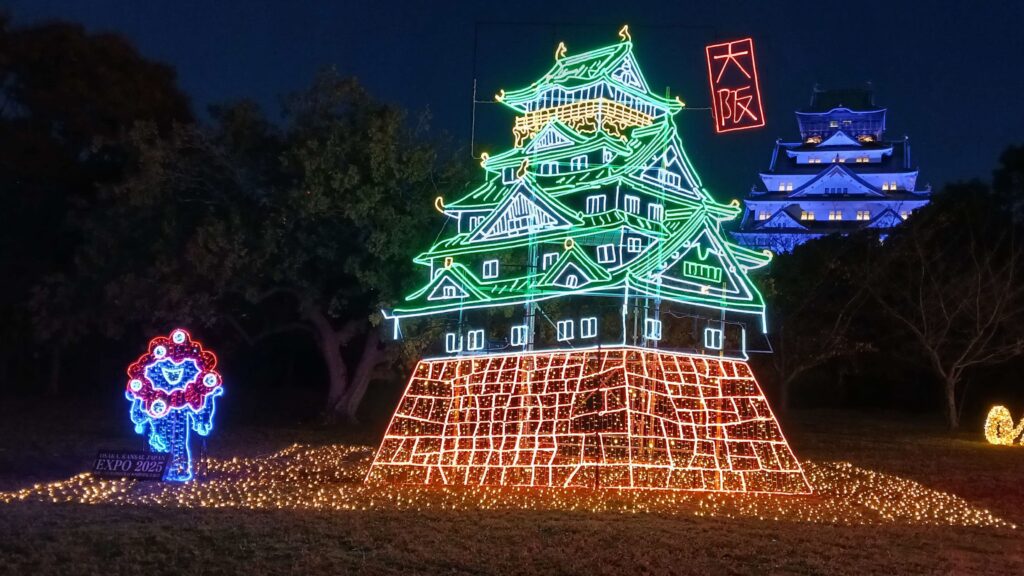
pixel 531 305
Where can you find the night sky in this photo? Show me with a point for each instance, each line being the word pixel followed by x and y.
pixel 949 72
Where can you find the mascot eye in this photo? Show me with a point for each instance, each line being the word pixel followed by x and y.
pixel 135 385
pixel 159 351
pixel 158 408
pixel 211 380
pixel 178 336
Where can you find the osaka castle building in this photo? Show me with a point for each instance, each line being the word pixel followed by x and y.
pixel 843 175
pixel 584 317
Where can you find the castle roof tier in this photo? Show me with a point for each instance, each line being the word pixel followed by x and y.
pixel 598 89
pixel 596 199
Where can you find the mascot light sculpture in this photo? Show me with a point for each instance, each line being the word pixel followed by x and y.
pixel 173 389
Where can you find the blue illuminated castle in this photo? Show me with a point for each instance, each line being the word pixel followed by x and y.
pixel 841 176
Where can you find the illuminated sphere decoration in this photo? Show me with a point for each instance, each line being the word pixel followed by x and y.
pixel 999 428
pixel 173 389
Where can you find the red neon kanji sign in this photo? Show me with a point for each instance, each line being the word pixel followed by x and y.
pixel 735 92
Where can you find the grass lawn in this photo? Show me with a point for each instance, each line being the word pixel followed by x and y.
pixel 404 531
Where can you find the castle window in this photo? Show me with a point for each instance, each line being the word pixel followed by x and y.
pixel 476 340
pixel 633 244
pixel 835 214
pixel 863 215
pixel 833 124
pixel 563 330
pixel 842 160
pixel 904 214
pixel 452 342
pixel 892 186
pixel 548 260
pixel 652 329
pixel 763 215
pixel 632 204
pixel 713 338
pixel 806 215
pixel 578 163
pixel 491 269
pixel 549 168
pixel 862 159
pixel 885 185
pixel 588 327
pixel 518 336
pixel 607 156
pixel 655 211
pixel 702 271
pixel 595 204
pixel 606 253
pixel 572 281
pixel 789 186
pixel 449 292
pixel 669 177
pixel 508 175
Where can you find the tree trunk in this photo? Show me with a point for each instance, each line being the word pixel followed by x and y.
pixel 330 341
pixel 337 372
pixel 361 381
pixel 952 414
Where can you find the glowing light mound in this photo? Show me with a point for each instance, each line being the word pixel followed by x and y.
pixel 173 389
pixel 999 427
pixel 611 418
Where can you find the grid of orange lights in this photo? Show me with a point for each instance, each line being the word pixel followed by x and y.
pixel 609 418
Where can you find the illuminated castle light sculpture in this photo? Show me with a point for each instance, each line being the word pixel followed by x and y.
pixel 842 176
pixel 592 316
pixel 173 389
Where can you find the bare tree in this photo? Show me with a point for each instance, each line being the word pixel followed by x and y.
pixel 953 282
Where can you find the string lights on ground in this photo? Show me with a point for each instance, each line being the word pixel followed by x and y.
pixel 329 478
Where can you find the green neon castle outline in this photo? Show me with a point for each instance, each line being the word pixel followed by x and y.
pixel 596 203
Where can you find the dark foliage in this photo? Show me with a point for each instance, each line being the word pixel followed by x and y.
pixel 124 218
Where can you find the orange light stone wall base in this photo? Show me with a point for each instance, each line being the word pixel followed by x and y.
pixel 616 417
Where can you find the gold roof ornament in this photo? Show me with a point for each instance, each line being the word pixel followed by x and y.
pixel 624 34
pixel 560 51
pixel 522 168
